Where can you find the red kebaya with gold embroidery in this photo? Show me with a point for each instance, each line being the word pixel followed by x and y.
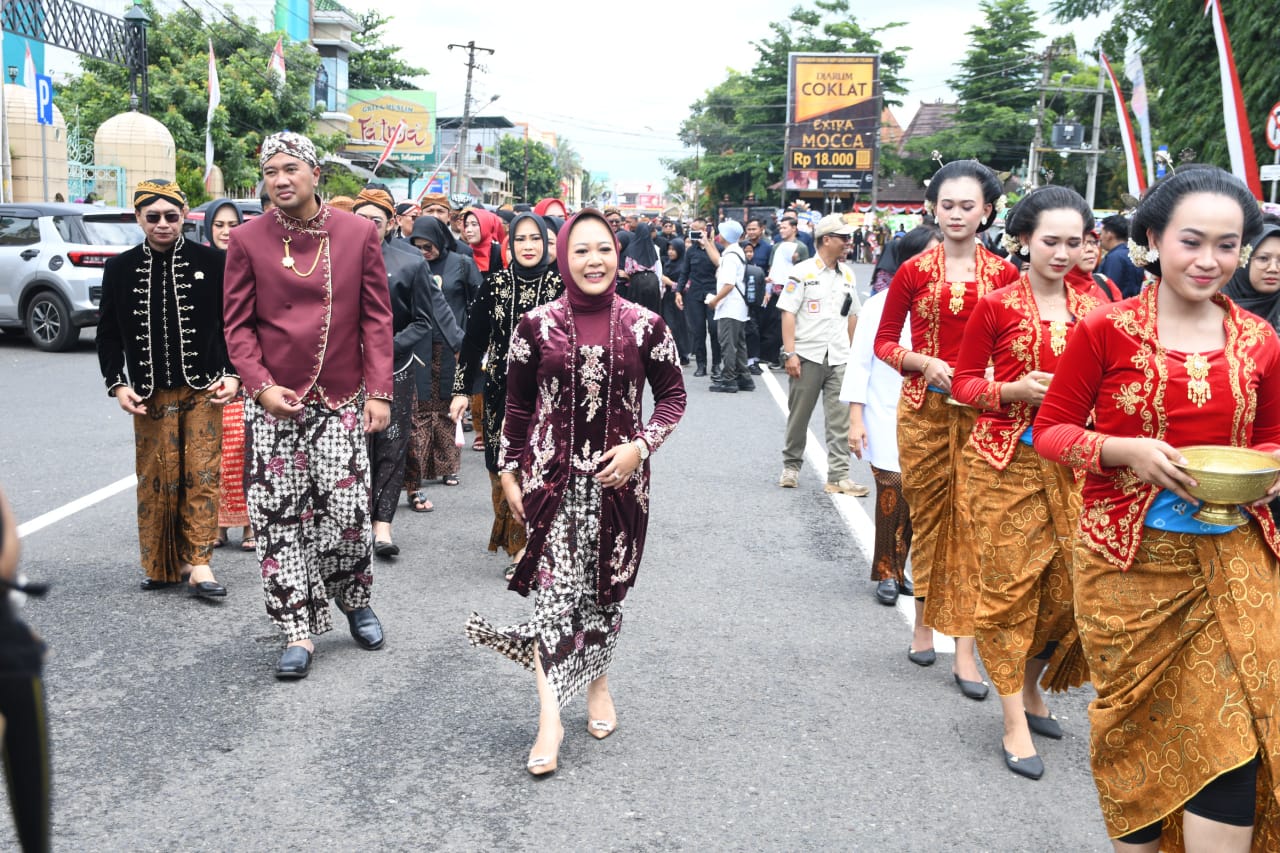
pixel 938 309
pixel 1006 330
pixel 1116 370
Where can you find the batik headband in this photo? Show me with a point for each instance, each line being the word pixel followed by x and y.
pixel 380 199
pixel 149 192
pixel 288 142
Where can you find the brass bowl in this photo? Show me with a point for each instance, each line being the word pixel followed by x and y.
pixel 952 401
pixel 1227 477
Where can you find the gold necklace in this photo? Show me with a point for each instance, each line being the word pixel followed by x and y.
pixel 290 264
pixel 1197 367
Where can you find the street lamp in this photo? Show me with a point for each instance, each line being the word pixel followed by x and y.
pixel 13 74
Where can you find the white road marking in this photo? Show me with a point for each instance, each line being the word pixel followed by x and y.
pixel 855 517
pixel 66 510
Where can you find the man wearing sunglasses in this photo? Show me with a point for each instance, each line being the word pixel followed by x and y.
pixel 162 353
pixel 309 327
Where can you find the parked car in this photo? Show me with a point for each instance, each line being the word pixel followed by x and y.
pixel 51 260
pixel 194 228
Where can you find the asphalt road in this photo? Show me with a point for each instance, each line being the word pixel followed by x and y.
pixel 765 699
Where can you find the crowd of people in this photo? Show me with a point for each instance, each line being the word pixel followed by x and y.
pixel 1022 408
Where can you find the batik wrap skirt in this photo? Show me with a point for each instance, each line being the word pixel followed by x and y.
pixel 433 453
pixel 1023 520
pixel 232 510
pixel 1184 652
pixel 574 635
pixel 388 450
pixel 506 533
pixel 893 528
pixel 309 504
pixel 177 446
pixel 930 441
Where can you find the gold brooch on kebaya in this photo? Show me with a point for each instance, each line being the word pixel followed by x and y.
pixel 1057 337
pixel 957 297
pixel 1197 367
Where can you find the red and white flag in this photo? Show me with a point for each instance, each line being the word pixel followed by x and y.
pixel 1244 163
pixel 276 65
pixel 1137 183
pixel 396 136
pixel 29 70
pixel 215 98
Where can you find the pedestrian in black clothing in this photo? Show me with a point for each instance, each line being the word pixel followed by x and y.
pixel 698 275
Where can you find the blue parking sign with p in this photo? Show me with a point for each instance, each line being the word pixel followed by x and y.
pixel 44 99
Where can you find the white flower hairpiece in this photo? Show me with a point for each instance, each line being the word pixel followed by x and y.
pixel 1142 255
pixel 1245 254
pixel 1001 203
pixel 928 208
pixel 1012 244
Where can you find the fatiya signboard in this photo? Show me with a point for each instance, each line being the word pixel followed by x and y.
pixel 377 115
pixel 833 118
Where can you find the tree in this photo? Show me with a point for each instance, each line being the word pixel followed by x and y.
pixel 252 107
pixel 1180 61
pixel 377 65
pixel 530 167
pixel 998 88
pixel 738 128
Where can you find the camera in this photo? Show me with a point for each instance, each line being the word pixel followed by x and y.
pixel 696 235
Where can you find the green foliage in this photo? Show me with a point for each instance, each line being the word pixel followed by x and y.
pixel 378 66
pixel 335 180
pixel 739 126
pixel 1180 60
pixel 252 106
pixel 543 178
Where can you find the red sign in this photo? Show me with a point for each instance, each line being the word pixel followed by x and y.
pixel 1273 128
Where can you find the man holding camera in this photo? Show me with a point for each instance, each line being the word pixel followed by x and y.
pixel 701 260
pixel 819 306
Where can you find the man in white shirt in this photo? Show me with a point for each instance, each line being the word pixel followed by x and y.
pixel 731 312
pixel 819 306
pixel 787 252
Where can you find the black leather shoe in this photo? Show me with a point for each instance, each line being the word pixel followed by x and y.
pixel 1032 767
pixel 746 385
pixel 366 628
pixel 887 592
pixel 928 657
pixel 294 663
pixel 754 369
pixel 207 589
pixel 684 361
pixel 701 371
pixel 905 588
pixel 976 690
pixel 149 585
pixel 386 548
pixel 721 388
pixel 1044 726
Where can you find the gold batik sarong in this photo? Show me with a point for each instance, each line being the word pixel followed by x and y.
pixel 1024 518
pixel 930 441
pixel 178 451
pixel 1184 651
pixel 506 533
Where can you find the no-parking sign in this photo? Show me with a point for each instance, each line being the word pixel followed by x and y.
pixel 1273 128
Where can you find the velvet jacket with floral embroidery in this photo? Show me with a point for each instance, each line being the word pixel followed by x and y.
pixel 161 313
pixel 548 439
pixel 1116 370
pixel 315 319
pixel 938 309
pixel 1006 331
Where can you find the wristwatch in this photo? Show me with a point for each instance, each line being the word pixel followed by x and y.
pixel 642 447
pixel 786 356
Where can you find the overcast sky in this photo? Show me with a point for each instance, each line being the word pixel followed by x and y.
pixel 618 85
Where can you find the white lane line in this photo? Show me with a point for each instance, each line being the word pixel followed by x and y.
pixel 855 517
pixel 66 510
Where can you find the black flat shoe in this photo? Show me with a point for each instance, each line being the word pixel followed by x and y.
pixel 149 585
pixel 887 592
pixel 1032 767
pixel 927 657
pixel 386 548
pixel 1047 726
pixel 905 588
pixel 976 690
pixel 701 371
pixel 294 663
pixel 207 589
pixel 365 628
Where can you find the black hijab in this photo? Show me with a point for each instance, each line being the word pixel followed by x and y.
pixel 641 248
pixel 678 244
pixel 1265 305
pixel 434 232
pixel 517 269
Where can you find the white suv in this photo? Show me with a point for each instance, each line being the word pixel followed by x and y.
pixel 51 260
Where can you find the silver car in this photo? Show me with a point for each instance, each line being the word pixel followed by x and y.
pixel 51 260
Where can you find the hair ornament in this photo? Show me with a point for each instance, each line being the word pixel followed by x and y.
pixel 1012 244
pixel 1142 255
pixel 1002 203
pixel 1245 254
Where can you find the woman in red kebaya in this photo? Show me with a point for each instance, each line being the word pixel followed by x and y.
pixel 1023 506
pixel 1178 618
pixel 939 288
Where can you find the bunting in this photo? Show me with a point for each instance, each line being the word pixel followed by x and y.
pixel 1244 163
pixel 1137 183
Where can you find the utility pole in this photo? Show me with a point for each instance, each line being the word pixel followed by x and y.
pixel 1033 157
pixel 463 152
pixel 1092 186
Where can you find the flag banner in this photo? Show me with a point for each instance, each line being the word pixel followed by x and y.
pixel 276 65
pixel 1133 165
pixel 1244 163
pixel 215 98
pixel 391 145
pixel 29 70
pixel 1138 102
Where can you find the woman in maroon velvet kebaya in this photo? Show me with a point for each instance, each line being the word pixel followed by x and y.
pixel 574 468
